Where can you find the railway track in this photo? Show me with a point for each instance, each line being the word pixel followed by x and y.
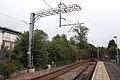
pixel 67 73
pixel 86 74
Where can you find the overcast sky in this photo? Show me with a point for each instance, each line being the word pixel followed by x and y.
pixel 102 17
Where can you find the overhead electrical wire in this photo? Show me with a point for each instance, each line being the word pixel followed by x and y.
pixel 62 18
pixel 47 3
pixel 70 21
pixel 67 21
pixel 72 13
pixel 14 18
pixel 75 17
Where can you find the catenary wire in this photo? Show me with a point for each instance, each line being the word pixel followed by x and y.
pixel 14 18
pixel 72 13
pixel 47 3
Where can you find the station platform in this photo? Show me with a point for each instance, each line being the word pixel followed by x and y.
pixel 100 72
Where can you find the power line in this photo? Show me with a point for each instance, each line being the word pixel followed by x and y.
pixel 47 3
pixel 75 17
pixel 61 17
pixel 14 18
pixel 72 13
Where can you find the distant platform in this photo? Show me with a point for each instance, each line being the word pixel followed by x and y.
pixel 100 72
pixel 113 69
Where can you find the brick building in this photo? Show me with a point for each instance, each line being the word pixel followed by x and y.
pixel 7 37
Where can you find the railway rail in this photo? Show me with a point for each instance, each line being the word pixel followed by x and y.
pixel 86 74
pixel 70 72
pixel 81 66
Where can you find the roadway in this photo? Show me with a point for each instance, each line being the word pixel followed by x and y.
pixel 113 70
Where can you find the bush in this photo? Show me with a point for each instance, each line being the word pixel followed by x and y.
pixel 9 68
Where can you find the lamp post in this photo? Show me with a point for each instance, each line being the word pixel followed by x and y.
pixel 117 50
pixel 98 52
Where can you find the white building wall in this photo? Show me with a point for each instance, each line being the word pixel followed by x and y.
pixel 13 37
pixel 9 37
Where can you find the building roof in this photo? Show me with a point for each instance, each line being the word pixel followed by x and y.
pixel 5 29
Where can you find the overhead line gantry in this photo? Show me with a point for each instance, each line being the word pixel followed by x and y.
pixel 62 8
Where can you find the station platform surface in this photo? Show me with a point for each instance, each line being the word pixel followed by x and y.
pixel 100 72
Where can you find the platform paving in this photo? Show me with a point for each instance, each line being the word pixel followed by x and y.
pixel 100 72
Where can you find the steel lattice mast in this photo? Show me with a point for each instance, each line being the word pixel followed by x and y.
pixel 62 8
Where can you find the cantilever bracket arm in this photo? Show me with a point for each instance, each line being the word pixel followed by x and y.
pixel 58 10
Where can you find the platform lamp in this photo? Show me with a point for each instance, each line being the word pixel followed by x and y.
pixel 117 50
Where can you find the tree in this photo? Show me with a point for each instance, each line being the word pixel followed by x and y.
pixel 21 48
pixel 80 40
pixel 112 52
pixel 112 44
pixel 92 51
pixel 112 49
pixel 102 53
pixel 61 51
pixel 81 33
pixel 38 48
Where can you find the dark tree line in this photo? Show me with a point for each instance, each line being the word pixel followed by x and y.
pixel 59 51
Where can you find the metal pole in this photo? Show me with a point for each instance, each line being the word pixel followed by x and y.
pixel 97 52
pixel 31 34
pixel 60 15
pixel 117 52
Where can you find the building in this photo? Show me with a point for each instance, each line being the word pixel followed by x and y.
pixel 7 37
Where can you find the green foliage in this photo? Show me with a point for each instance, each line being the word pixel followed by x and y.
pixel 39 50
pixel 8 68
pixel 81 33
pixel 81 41
pixel 92 51
pixel 102 52
pixel 21 48
pixel 112 52
pixel 112 44
pixel 112 49
pixel 61 51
